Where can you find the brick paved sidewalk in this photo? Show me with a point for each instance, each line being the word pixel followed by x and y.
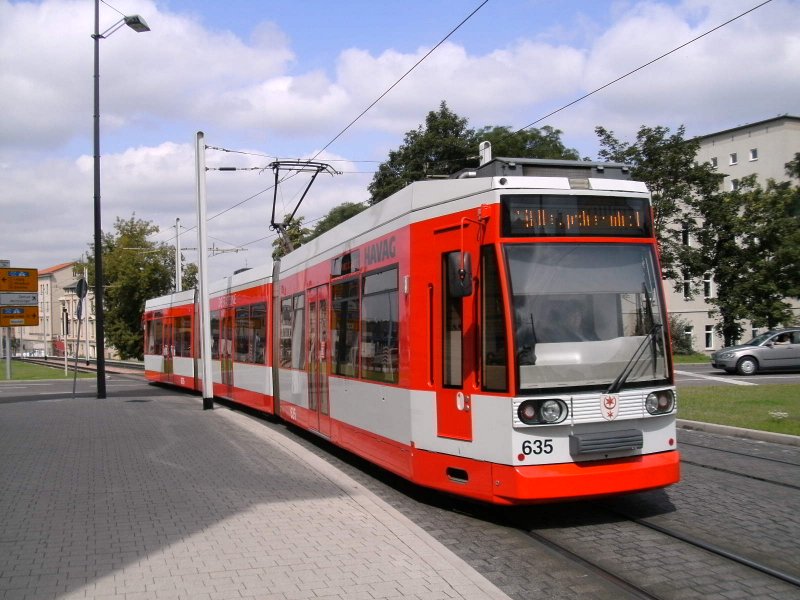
pixel 151 497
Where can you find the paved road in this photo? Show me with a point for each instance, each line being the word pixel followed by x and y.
pixel 144 495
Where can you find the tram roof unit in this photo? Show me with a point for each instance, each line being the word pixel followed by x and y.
pixel 435 197
pixel 546 167
pixel 169 300
pixel 245 278
pixel 426 199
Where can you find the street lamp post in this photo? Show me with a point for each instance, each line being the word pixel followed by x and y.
pixel 138 24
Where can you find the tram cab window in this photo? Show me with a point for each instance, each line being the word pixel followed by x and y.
pixel 581 311
pixel 495 361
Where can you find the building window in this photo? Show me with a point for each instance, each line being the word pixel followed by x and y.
pixel 685 234
pixel 688 333
pixel 709 337
pixel 734 185
pixel 734 159
pixel 687 285
pixel 707 286
pixel 713 162
pixel 753 153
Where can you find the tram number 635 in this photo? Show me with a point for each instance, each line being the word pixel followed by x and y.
pixel 537 447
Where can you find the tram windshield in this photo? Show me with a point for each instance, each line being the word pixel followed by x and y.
pixel 582 312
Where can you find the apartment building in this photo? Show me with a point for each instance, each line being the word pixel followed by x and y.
pixel 760 149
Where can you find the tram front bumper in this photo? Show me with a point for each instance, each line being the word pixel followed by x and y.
pixel 574 481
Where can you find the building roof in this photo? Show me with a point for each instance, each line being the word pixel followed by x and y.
pixel 749 125
pixel 56 268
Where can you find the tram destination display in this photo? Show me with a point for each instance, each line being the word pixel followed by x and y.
pixel 550 215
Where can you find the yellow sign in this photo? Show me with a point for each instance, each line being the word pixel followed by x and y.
pixel 19 280
pixel 19 316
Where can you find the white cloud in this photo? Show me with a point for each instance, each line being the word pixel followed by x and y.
pixel 252 91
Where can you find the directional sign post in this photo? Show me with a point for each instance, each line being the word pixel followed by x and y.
pixel 19 302
pixel 19 298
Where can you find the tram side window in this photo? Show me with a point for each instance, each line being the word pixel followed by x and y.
pixel 154 337
pixel 285 359
pixel 344 328
pixel 298 332
pixel 495 361
pixel 293 332
pixel 251 333
pixel 215 335
pixel 243 334
pixel 258 320
pixel 379 324
pixel 183 336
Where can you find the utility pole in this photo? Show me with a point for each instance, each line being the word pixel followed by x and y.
pixel 202 244
pixel 178 273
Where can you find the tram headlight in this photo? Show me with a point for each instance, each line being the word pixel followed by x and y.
pixel 551 411
pixel 659 403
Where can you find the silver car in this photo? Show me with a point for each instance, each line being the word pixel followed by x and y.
pixel 777 350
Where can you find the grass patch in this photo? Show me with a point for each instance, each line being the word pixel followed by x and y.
pixel 23 371
pixel 773 408
pixel 697 357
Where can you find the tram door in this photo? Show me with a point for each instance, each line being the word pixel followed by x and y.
pixel 318 351
pixel 168 349
pixel 457 341
pixel 226 351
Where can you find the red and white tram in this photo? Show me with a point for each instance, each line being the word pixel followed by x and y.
pixel 501 335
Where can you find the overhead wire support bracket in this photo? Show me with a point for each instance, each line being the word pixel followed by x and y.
pixel 299 166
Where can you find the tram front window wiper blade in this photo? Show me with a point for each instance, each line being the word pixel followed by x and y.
pixel 616 386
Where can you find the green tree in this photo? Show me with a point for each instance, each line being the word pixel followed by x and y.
pixel 527 143
pixel 681 343
pixel 445 145
pixel 771 235
pixel 292 237
pixel 338 214
pixel 718 229
pixel 439 148
pixel 666 163
pixel 134 269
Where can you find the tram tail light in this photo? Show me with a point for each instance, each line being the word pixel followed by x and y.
pixel 660 403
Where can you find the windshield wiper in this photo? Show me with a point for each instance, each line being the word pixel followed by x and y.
pixel 616 386
pixel 527 354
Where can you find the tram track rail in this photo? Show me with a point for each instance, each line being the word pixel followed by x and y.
pixel 740 472
pixel 717 550
pixel 112 366
pixel 627 583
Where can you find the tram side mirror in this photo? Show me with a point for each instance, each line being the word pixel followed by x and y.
pixel 459 278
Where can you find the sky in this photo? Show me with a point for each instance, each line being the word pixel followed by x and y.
pixel 266 80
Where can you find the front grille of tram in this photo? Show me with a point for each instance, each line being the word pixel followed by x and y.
pixel 607 441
